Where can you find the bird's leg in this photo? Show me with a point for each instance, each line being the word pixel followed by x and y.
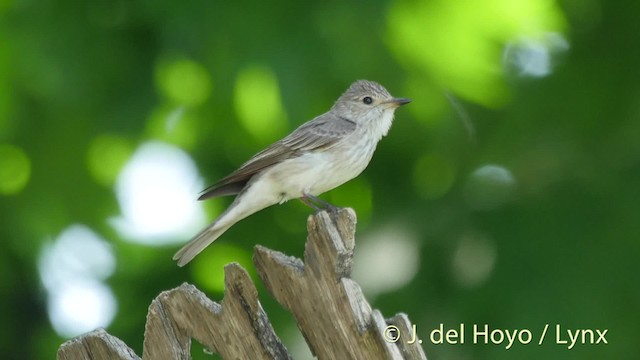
pixel 314 201
pixel 310 204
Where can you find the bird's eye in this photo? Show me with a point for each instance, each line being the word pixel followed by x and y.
pixel 367 100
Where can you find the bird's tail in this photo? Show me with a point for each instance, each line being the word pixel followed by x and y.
pixel 201 241
pixel 246 203
pixel 239 209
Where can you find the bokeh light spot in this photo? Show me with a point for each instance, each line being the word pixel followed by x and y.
pixel 157 192
pixel 77 252
pixel 532 57
pixel 15 169
pixel 459 44
pixel 489 187
pixel 72 270
pixel 174 125
pixel 386 260
pixel 81 306
pixel 473 260
pixel 183 81
pixel 257 103
pixel 106 156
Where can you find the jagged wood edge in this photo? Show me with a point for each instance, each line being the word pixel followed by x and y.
pixel 329 251
pixel 329 307
pixel 236 328
pixel 407 330
pixel 96 345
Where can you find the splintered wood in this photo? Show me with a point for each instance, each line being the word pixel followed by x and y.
pixel 329 308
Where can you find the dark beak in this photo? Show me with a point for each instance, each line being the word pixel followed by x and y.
pixel 399 101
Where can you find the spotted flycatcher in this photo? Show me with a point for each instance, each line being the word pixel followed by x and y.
pixel 320 155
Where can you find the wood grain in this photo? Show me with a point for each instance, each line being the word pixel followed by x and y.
pixel 329 308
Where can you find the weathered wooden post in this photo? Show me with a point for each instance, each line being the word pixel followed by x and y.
pixel 329 308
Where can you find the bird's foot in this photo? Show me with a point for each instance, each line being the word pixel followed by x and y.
pixel 318 204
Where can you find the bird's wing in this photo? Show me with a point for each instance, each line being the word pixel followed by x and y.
pixel 320 133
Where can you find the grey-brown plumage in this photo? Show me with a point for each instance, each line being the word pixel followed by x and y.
pixel 318 156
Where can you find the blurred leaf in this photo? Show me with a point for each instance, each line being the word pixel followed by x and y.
pixel 15 169
pixel 257 103
pixel 183 81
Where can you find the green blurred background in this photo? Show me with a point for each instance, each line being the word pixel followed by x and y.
pixel 507 193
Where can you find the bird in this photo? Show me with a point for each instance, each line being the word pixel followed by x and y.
pixel 318 156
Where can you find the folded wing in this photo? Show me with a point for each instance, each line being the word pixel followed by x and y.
pixel 318 134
